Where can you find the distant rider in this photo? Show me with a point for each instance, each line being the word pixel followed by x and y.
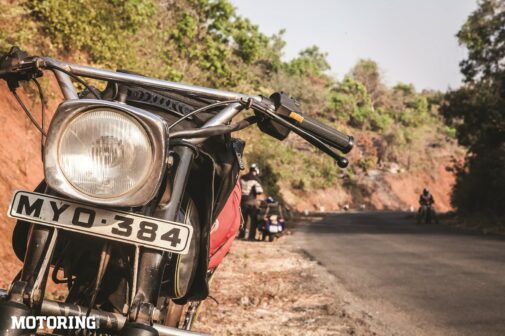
pixel 426 198
pixel 426 202
pixel 251 188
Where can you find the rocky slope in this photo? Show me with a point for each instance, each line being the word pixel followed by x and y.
pixel 390 186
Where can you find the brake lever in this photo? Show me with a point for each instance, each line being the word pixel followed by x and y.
pixel 266 108
pixel 342 161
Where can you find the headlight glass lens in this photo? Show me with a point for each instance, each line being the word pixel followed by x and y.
pixel 105 153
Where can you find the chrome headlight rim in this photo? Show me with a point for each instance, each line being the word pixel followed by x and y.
pixel 153 125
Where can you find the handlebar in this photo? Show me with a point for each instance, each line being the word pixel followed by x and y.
pixel 328 135
pixel 289 109
pixel 283 111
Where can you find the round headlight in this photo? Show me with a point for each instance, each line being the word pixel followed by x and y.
pixel 105 153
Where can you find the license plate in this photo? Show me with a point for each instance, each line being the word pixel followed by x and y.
pixel 104 223
pixel 274 229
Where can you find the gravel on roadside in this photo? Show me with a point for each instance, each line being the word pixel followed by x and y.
pixel 266 288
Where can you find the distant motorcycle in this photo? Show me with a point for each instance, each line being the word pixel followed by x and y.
pixel 272 228
pixel 426 215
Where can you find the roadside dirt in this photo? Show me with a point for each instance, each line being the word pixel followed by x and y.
pixel 273 289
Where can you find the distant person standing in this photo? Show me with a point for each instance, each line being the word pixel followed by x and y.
pixel 251 188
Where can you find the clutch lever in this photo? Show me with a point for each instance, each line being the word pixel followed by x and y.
pixel 17 65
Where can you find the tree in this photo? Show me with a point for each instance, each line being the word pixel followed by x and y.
pixel 483 34
pixel 367 72
pixel 350 100
pixel 477 110
pixel 407 106
pixel 211 36
pixel 272 57
pixel 367 103
pixel 310 61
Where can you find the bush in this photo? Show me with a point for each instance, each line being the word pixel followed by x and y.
pixel 102 29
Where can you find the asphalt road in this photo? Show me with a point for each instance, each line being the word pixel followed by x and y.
pixel 419 280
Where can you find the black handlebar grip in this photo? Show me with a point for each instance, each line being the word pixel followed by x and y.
pixel 290 109
pixel 325 133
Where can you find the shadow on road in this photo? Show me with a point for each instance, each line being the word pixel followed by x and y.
pixel 385 222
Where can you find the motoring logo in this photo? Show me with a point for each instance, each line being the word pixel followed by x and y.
pixel 54 322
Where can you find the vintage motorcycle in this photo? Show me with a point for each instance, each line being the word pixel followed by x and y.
pixel 136 175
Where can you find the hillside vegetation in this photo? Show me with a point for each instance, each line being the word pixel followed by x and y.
pixel 398 129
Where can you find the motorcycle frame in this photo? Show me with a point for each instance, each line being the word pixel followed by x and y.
pixel 30 286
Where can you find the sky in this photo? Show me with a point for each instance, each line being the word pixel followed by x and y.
pixel 413 41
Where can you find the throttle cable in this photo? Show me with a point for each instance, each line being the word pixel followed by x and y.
pixel 208 107
pixel 27 111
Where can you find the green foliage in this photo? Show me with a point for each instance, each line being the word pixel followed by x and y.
pixel 477 111
pixel 273 53
pixel 303 170
pixel 479 187
pixel 449 131
pixel 483 36
pixel 211 37
pixel 363 101
pixel 18 17
pixel 98 28
pixel 407 106
pixel 311 61
pixel 250 42
pixel 380 121
pixel 311 94
pixel 270 179
pixel 350 100
pixel 366 163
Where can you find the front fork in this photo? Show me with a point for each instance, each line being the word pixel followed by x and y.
pixel 152 262
pixel 26 294
pixel 29 286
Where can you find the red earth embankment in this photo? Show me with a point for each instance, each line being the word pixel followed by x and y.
pixel 20 165
pixel 389 188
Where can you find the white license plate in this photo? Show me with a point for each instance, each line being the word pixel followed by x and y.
pixel 274 229
pixel 104 223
